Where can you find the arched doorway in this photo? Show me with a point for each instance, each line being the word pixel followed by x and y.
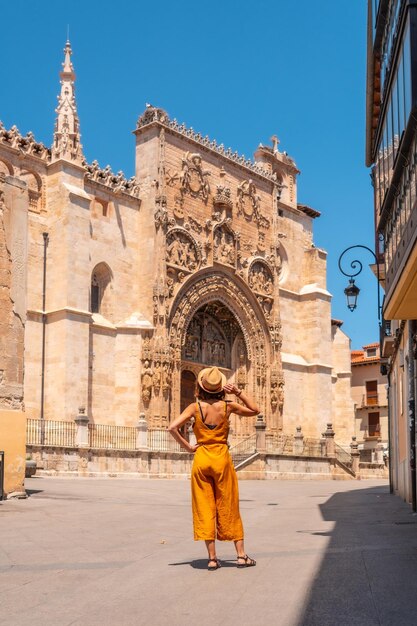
pixel 214 337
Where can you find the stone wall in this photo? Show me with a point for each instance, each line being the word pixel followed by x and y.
pixel 13 261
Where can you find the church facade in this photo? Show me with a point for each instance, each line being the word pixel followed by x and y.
pixel 133 285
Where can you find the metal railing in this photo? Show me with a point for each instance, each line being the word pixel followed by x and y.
pixel 343 456
pixel 243 450
pixel 111 437
pixel 312 447
pixel 50 433
pixel 370 399
pixel 160 440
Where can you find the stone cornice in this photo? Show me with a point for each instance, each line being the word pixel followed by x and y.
pixel 25 145
pixel 158 117
pixel 106 178
pixel 116 183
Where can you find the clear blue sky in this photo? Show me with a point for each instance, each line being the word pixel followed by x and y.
pixel 238 71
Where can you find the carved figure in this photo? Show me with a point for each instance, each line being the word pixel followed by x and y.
pixel 181 251
pixel 260 279
pixel 156 379
pixel 166 377
pixel 224 250
pixel 146 382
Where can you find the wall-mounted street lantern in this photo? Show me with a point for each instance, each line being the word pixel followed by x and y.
pixel 352 290
pixel 351 293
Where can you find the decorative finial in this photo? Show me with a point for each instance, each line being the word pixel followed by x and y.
pixel 275 143
pixel 67 126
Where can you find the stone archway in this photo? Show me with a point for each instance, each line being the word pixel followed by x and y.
pixel 208 289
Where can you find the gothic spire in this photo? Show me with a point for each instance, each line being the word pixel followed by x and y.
pixel 67 125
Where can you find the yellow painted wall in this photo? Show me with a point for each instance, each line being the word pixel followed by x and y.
pixel 13 442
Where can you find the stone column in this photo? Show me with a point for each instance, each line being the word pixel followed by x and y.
pixel 298 444
pixel 260 428
pixel 329 436
pixel 81 436
pixel 191 436
pixel 323 445
pixel 379 452
pixel 355 454
pixel 142 433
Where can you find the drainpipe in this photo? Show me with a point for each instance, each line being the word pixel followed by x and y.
pixel 390 455
pixel 42 417
pixel 412 413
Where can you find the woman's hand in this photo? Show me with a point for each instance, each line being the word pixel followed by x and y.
pixel 231 388
pixel 193 449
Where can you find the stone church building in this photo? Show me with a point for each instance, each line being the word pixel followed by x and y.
pixel 131 286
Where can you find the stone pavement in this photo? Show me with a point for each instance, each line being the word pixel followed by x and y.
pixel 120 552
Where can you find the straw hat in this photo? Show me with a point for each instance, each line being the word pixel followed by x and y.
pixel 211 379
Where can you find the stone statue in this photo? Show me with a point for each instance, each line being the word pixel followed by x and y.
pixel 147 382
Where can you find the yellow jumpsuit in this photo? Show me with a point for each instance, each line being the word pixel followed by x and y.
pixel 214 487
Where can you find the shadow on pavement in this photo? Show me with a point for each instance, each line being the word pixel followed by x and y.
pixel 202 563
pixel 31 492
pixel 368 575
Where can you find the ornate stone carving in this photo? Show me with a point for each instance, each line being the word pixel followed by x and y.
pixel 241 376
pixel 224 246
pixel 25 145
pixel 161 218
pixel 182 251
pixel 146 382
pixel 157 376
pixel 266 305
pixel 260 278
pixel 223 197
pixel 277 388
pixel 146 349
pixel 247 199
pixel 155 115
pixel 67 126
pixel 223 289
pixel 117 183
pixel 194 179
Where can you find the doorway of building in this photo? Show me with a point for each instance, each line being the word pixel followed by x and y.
pixel 188 380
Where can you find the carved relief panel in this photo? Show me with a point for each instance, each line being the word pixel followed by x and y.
pixel 224 250
pixel 260 278
pixel 182 251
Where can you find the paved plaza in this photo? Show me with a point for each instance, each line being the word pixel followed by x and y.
pixel 120 552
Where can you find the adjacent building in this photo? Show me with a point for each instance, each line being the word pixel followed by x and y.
pixel 369 394
pixel 391 150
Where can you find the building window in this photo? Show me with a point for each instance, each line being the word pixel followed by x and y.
pixel 100 290
pixel 95 294
pixel 371 352
pixel 371 392
pixel 374 427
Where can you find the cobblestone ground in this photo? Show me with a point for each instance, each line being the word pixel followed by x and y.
pixel 97 552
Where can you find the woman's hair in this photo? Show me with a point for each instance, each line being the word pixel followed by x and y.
pixel 205 395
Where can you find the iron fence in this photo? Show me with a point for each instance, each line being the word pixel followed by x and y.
pixel 50 433
pixel 160 440
pixel 243 450
pixel 111 437
pixel 313 447
pixel 342 455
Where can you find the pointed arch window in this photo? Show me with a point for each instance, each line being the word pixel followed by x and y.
pixel 100 290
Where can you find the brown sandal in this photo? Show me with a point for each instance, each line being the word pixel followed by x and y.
pixel 212 568
pixel 248 562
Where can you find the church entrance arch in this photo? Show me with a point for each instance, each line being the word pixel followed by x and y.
pixel 216 321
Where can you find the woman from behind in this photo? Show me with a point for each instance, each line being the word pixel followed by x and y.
pixel 214 486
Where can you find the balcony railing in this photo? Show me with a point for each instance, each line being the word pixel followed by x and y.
pixel 370 399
